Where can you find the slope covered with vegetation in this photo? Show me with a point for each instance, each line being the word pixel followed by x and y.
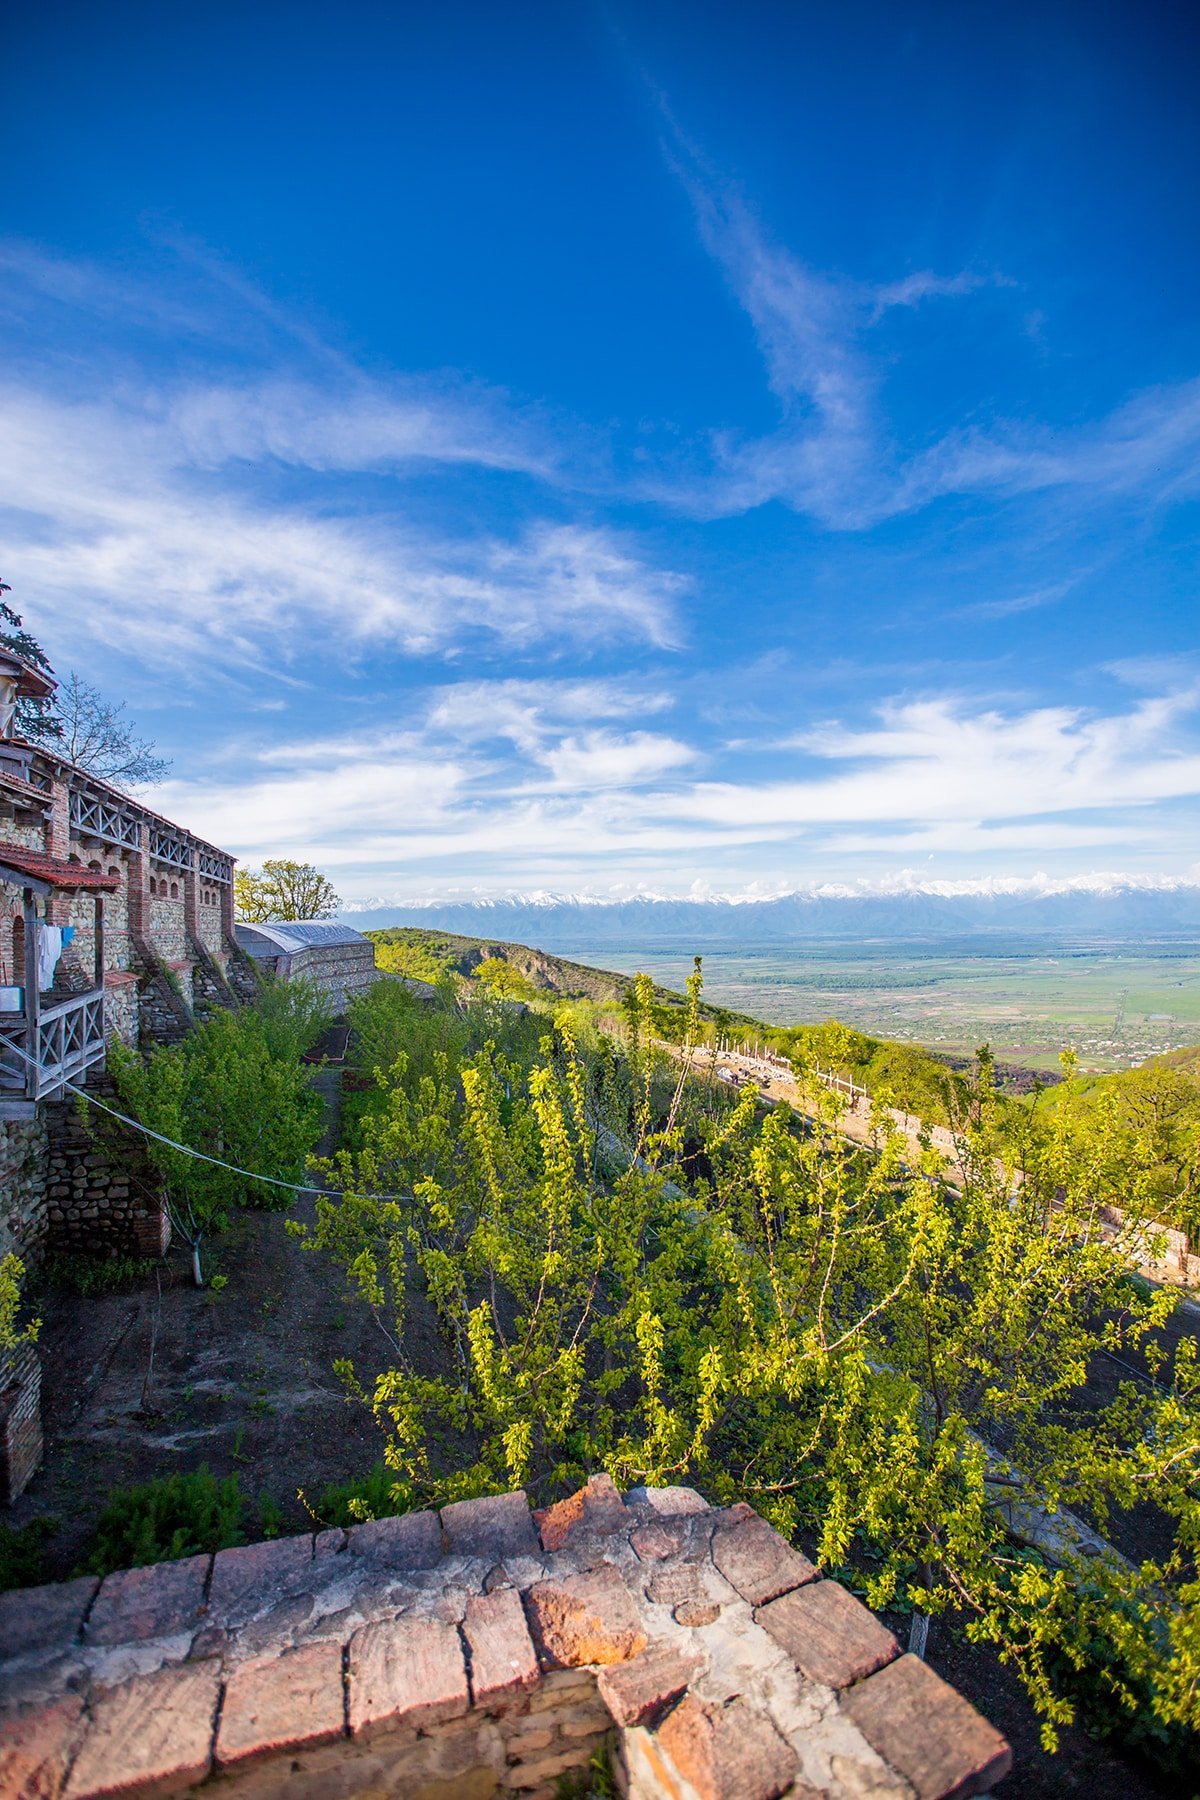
pixel 634 1268
pixel 903 1074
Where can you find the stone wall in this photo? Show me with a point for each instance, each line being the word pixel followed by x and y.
pixel 23 1162
pixel 485 1652
pixel 164 1014
pixel 210 926
pixel 211 992
pixel 20 1422
pixel 339 970
pixel 102 1195
pixel 168 928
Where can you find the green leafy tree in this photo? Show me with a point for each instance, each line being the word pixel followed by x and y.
pixel 283 890
pixel 234 1090
pixel 12 1335
pixel 501 980
pixel 854 1343
pixel 36 719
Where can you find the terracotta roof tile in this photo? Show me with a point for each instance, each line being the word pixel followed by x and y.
pixel 54 872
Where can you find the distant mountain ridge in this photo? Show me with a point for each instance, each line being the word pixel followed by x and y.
pixel 1120 911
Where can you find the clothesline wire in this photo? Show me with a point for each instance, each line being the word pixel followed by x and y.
pixel 217 1162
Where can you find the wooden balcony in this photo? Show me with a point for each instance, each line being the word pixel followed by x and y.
pixel 57 1044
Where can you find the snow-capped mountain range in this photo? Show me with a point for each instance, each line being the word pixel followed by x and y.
pixel 1119 907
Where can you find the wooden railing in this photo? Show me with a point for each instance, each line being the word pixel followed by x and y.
pixel 64 1041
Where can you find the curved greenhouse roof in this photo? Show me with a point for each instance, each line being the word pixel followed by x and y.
pixel 298 934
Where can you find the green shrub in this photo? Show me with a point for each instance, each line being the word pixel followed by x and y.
pixel 292 1016
pixel 158 1521
pixel 21 1553
pixel 270 1516
pixel 90 1275
pixel 377 1495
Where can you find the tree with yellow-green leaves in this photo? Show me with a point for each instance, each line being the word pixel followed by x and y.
pixel 283 890
pixel 636 1272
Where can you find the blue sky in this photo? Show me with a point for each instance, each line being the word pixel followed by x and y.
pixel 604 449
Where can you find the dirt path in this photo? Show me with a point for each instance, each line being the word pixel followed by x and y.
pixel 167 1377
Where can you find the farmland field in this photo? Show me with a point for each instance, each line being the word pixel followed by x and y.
pixel 1115 1004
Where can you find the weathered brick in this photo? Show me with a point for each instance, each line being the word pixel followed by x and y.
pixel 287 1702
pixel 150 1733
pixel 503 1659
pixel 728 1752
pixel 527 1742
pixel 406 1671
pixel 499 1526
pixel 560 1690
pixel 585 1618
pixel 36 1749
pixel 828 1635
pixel 159 1601
pixel 245 1580
pixel 638 1692
pixel 546 1768
pixel 927 1732
pixel 595 1510
pixel 653 1543
pixel 410 1541
pixel 696 1613
pixel 39 1619
pixel 756 1561
pixel 669 1501
pixel 675 1583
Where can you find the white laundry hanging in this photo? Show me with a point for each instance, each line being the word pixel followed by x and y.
pixel 49 949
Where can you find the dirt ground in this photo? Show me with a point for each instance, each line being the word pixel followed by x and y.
pixel 166 1376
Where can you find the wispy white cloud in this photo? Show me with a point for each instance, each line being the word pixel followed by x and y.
pixel 120 527
pixel 833 455
pixel 1013 604
pixel 518 781
pixel 924 284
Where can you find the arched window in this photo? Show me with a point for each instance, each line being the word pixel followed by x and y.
pixel 174 890
pixel 153 888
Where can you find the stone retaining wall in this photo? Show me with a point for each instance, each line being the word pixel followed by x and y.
pixel 101 1201
pixel 20 1421
pixel 22 1187
pixel 484 1652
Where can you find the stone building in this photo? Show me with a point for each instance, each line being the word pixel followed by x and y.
pixel 341 962
pixel 114 923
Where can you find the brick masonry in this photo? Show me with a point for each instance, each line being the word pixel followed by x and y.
pixel 20 1420
pixel 488 1651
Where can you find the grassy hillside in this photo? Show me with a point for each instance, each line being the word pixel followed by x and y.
pixel 434 955
pixel 906 1074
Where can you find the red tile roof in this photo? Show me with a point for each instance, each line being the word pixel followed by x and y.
pixel 54 872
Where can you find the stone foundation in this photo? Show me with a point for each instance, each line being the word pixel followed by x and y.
pixel 211 992
pixel 486 1652
pixel 100 1202
pixel 20 1422
pixel 23 1158
pixel 164 1016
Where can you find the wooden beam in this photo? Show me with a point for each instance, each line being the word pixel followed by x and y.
pixel 33 997
pixel 100 942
